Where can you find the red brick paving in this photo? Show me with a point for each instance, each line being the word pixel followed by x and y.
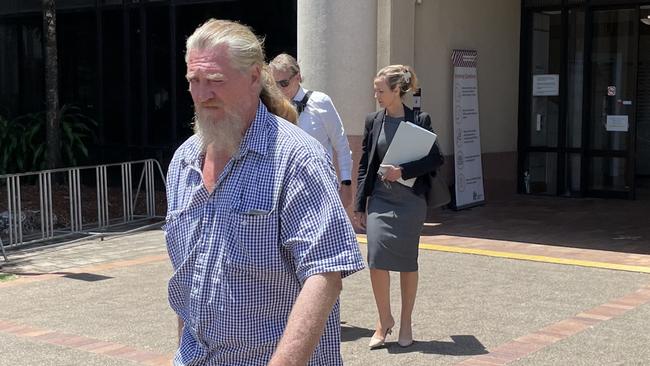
pixel 525 345
pixel 82 343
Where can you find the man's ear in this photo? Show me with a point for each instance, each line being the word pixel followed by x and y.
pixel 256 75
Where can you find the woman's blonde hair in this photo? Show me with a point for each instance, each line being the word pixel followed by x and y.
pixel 401 76
pixel 285 62
pixel 245 51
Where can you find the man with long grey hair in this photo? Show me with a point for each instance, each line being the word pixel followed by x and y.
pixel 256 234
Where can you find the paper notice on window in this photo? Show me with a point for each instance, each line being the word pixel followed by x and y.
pixel 617 123
pixel 546 85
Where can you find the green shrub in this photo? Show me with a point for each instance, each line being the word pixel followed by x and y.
pixel 23 146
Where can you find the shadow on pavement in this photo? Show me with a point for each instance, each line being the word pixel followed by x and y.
pixel 14 266
pixel 351 333
pixel 587 223
pixel 80 276
pixel 462 345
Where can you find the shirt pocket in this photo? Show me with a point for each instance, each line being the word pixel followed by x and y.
pixel 256 241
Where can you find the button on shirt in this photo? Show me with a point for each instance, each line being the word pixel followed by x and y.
pixel 321 120
pixel 241 254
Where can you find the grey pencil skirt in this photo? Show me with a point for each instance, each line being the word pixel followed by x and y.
pixel 395 219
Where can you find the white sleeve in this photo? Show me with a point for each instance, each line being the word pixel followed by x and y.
pixel 337 137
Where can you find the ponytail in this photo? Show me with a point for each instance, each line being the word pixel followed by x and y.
pixel 274 100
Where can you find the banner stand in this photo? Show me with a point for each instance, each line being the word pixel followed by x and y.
pixel 468 166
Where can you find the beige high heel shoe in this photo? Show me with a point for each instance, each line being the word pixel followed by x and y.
pixel 376 342
pixel 405 342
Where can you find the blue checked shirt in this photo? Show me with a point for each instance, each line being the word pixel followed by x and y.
pixel 241 254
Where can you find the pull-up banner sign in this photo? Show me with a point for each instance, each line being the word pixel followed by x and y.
pixel 468 167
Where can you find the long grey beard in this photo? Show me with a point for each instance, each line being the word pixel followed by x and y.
pixel 223 135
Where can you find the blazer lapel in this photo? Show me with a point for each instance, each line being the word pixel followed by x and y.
pixel 376 130
pixel 376 127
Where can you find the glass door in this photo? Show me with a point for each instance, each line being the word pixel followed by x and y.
pixel 642 148
pixel 544 109
pixel 610 154
pixel 552 143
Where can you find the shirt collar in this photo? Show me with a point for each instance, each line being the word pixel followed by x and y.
pixel 255 137
pixel 193 155
pixel 300 94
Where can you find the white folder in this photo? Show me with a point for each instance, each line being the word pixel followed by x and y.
pixel 411 142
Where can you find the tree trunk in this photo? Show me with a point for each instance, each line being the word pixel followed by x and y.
pixel 53 130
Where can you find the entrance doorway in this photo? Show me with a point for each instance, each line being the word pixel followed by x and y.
pixel 551 129
pixel 612 99
pixel 642 163
pixel 585 101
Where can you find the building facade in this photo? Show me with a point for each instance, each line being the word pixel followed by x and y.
pixel 561 83
pixel 356 40
pixel 122 62
pixel 563 98
pixel 592 137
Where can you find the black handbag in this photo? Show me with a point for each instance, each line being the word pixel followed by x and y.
pixel 438 194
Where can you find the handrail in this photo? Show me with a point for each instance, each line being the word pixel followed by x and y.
pixel 58 170
pixel 80 225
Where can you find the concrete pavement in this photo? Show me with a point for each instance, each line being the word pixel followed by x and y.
pixel 104 302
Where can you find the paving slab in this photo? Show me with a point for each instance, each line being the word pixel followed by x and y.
pixel 126 305
pixel 100 302
pixel 17 351
pixel 470 304
pixel 620 341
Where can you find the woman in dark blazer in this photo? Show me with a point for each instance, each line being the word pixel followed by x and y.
pixel 393 214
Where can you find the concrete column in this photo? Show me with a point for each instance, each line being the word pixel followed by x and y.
pixel 395 32
pixel 337 53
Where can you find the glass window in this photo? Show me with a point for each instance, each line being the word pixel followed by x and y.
pixel 642 166
pixel 575 70
pixel 545 66
pixel 78 70
pixel 136 123
pixel 608 174
pixel 613 77
pixel 541 3
pixel 540 173
pixel 159 84
pixel 25 6
pixel 31 69
pixel 9 92
pixel 573 165
pixel 114 93
pixel 75 4
pixel 20 6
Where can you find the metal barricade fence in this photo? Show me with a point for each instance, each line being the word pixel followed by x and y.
pixel 18 228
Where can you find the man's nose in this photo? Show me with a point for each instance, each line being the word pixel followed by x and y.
pixel 203 92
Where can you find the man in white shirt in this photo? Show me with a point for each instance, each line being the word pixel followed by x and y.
pixel 317 116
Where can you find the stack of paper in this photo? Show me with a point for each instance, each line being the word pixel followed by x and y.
pixel 411 142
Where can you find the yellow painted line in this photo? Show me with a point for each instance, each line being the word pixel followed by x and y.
pixel 528 257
